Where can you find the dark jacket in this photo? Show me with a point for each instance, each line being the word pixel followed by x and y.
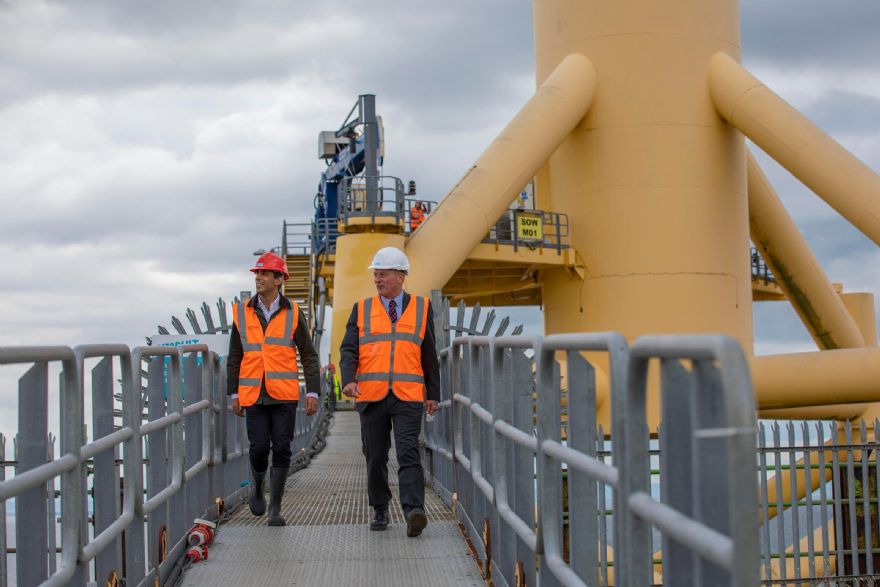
pixel 304 349
pixel 348 352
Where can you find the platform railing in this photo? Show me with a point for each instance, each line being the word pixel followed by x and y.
pixel 186 457
pixel 533 501
pixel 550 230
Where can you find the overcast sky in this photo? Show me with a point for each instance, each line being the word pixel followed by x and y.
pixel 147 148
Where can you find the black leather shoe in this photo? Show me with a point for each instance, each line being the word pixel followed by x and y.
pixel 416 520
pixel 380 519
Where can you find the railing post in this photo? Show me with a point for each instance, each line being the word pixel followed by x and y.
pixel 523 386
pixel 158 471
pixel 31 536
pixel 676 462
pixel 549 471
pixel 582 494
pixel 192 429
pixel 132 411
pixel 632 541
pixel 105 481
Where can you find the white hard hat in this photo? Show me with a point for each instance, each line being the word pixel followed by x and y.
pixel 390 258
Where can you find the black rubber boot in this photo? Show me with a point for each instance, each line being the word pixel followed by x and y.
pixel 276 492
pixel 257 501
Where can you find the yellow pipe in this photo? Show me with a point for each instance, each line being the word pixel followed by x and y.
pixel 838 412
pixel 797 272
pixel 457 225
pixel 818 378
pixel 861 307
pixel 833 173
pixel 653 180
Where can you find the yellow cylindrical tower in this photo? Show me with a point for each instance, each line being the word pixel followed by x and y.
pixel 352 278
pixel 653 180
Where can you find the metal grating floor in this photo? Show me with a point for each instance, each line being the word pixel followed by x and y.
pixel 328 541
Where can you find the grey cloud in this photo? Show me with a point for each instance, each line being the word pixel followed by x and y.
pixel 811 32
pixel 159 111
pixel 843 113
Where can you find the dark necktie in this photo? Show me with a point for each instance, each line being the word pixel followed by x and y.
pixel 392 311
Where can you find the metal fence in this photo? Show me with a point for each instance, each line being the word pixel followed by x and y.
pixel 818 482
pixel 128 495
pixel 533 494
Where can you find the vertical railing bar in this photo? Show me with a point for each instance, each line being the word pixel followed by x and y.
pixel 549 486
pixel 808 495
pixel 602 508
pixel 866 500
pixel 677 465
pixel 105 478
pixel 582 521
pixel 526 458
pixel 795 526
pixel 823 497
pixel 31 538
pixel 133 471
pixel 4 563
pixel 765 510
pixel 838 499
pixel 157 476
pixel 851 498
pixel 500 385
pixel 51 516
pixel 876 515
pixel 780 511
pixel 73 481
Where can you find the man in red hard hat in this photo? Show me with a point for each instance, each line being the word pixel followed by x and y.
pixel 262 379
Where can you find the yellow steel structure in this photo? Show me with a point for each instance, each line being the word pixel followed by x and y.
pixel 832 172
pixel 636 133
pixel 796 269
pixel 353 280
pixel 494 180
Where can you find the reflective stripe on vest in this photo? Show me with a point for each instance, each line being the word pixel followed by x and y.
pixel 268 354
pixel 390 355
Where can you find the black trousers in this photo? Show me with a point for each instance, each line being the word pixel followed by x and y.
pixel 270 426
pixel 377 421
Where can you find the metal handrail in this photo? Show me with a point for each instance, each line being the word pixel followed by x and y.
pixel 760 270
pixel 206 443
pixel 555 231
pixel 498 431
pixel 354 203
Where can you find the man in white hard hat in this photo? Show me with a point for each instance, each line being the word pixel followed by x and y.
pixel 389 366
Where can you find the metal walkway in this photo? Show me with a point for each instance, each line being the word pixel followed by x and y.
pixel 327 540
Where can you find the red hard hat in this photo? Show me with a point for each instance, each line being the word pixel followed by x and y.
pixel 271 262
pixel 332 367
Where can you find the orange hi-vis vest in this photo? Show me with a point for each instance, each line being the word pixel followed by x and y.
pixel 416 216
pixel 390 355
pixel 267 354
